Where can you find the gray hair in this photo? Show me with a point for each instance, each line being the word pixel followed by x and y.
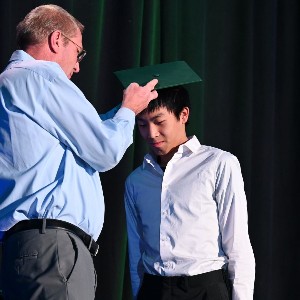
pixel 40 22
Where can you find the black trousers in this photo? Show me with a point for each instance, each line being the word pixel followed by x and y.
pixel 208 286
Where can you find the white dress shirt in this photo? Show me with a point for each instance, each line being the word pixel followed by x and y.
pixel 190 219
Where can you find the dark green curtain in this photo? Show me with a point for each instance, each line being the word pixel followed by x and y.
pixel 247 53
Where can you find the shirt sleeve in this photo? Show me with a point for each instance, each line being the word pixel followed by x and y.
pixel 233 221
pixel 58 106
pixel 135 242
pixel 110 114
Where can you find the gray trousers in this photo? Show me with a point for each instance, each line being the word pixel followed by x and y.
pixel 53 265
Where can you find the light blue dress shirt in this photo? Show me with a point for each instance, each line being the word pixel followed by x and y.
pixel 52 146
pixel 190 219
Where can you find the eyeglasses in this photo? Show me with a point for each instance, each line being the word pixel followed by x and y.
pixel 81 54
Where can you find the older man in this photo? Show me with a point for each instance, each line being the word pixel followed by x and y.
pixel 52 146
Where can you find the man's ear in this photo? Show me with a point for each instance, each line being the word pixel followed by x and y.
pixel 184 115
pixel 55 41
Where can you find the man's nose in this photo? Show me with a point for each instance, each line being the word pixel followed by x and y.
pixel 76 68
pixel 152 131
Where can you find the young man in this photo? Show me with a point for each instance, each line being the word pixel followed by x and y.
pixel 186 212
pixel 52 146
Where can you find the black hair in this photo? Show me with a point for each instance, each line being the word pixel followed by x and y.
pixel 174 99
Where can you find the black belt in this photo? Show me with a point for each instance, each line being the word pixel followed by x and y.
pixel 193 281
pixel 54 224
pixel 182 282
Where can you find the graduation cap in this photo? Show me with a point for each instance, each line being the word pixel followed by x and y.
pixel 168 75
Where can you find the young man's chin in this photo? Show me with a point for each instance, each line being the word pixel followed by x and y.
pixel 157 150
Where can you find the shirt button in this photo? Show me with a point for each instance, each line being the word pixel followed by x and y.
pixel 164 238
pixel 169 265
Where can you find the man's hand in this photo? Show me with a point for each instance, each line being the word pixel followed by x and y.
pixel 137 97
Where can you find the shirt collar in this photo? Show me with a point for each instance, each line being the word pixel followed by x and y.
pixel 191 145
pixel 149 160
pixel 20 55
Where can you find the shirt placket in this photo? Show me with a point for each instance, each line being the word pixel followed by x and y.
pixel 165 241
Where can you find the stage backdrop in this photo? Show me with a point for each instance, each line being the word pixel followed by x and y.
pixel 247 53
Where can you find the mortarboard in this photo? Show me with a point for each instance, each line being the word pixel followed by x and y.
pixel 168 75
